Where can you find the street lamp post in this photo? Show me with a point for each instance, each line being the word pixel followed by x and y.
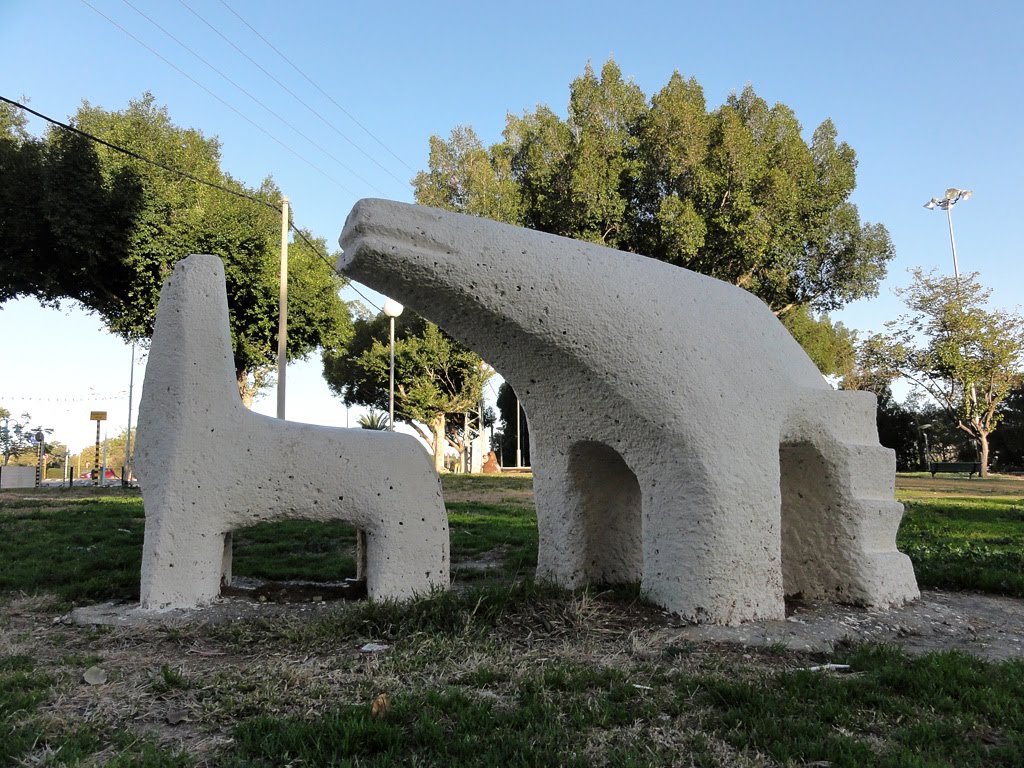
pixel 946 203
pixel 392 309
pixel 923 429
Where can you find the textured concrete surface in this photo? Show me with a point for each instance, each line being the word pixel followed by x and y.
pixel 207 465
pixel 679 435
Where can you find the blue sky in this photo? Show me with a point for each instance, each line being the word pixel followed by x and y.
pixel 927 94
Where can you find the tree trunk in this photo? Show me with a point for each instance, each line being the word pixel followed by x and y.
pixel 983 443
pixel 245 390
pixel 437 427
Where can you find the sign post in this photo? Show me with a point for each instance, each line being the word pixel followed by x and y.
pixel 40 439
pixel 97 416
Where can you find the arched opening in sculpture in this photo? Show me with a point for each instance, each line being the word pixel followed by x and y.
pixel 809 548
pixel 612 521
pixel 298 549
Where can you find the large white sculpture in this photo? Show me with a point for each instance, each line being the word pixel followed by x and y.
pixel 208 466
pixel 680 437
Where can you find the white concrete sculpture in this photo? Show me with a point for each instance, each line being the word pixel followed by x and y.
pixel 208 466
pixel 680 437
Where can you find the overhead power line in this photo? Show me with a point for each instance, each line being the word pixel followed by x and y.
pixel 137 156
pixel 92 398
pixel 292 93
pixel 247 119
pixel 253 97
pixel 326 95
pixel 191 177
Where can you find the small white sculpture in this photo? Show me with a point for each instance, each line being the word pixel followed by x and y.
pixel 680 437
pixel 208 466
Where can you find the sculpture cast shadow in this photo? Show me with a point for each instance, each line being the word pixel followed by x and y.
pixel 208 466
pixel 679 436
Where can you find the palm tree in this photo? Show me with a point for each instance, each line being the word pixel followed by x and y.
pixel 374 420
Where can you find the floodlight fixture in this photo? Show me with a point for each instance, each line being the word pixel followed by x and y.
pixel 949 199
pixel 946 203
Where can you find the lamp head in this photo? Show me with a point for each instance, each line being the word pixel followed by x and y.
pixel 392 308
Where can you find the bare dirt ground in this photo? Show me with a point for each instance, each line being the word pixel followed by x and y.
pixel 961 485
pixel 178 680
pixel 497 495
pixel 988 626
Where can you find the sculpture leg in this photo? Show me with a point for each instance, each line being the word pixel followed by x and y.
pixel 182 566
pixel 561 548
pixel 711 534
pixel 399 567
pixel 840 522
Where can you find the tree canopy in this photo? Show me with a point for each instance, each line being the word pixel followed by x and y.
pixel 81 221
pixel 435 376
pixel 1008 442
pixel 15 435
pixel 734 192
pixel 966 357
pixel 830 345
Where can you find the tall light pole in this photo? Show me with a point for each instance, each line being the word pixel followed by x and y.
pixel 392 309
pixel 282 318
pixel 946 203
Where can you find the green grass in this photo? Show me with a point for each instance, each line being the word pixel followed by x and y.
pixel 23 689
pixel 501 671
pixel 934 710
pixel 937 710
pixel 507 531
pixel 966 543
pixel 90 549
pixel 552 719
pixel 295 549
pixel 79 549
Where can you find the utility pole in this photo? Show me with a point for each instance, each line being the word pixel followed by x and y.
pixel 126 470
pixel 282 322
pixel 519 444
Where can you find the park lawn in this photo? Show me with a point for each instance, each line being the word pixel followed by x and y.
pixel 499 671
pixel 964 534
